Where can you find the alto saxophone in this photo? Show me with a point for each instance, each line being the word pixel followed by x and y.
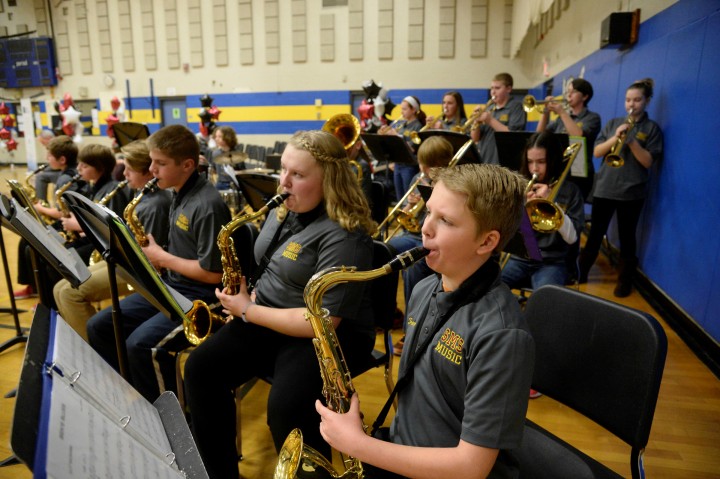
pixel 337 382
pixel 198 327
pixel 70 236
pixel 96 257
pixel 32 192
pixel 131 217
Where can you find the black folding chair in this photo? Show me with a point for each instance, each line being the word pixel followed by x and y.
pixel 603 360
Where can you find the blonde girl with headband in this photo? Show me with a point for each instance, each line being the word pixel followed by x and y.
pixel 325 222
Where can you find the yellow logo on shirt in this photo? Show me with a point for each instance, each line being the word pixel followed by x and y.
pixel 411 321
pixel 292 251
pixel 640 135
pixel 182 222
pixel 450 346
pixel 504 118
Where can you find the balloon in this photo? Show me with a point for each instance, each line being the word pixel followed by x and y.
pixel 206 101
pixel 204 115
pixel 214 112
pixel 11 144
pixel 5 134
pixel 4 110
pixel 71 121
pixel 67 101
pixel 111 120
pixel 115 103
pixel 371 89
pixel 8 121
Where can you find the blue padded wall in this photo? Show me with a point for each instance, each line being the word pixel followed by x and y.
pixel 678 240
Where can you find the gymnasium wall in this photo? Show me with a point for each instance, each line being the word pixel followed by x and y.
pixel 678 236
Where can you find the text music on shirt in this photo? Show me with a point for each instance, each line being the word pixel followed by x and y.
pixel 292 251
pixel 450 346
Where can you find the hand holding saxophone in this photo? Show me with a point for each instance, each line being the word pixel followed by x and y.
pixel 236 305
pixel 344 432
pixel 155 253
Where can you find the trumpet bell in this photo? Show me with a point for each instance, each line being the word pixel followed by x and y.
pixel 345 127
pixel 614 161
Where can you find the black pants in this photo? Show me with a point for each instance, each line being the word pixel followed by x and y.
pixel 628 215
pixel 237 353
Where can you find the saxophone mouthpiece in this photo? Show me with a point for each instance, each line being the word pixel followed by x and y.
pixel 403 260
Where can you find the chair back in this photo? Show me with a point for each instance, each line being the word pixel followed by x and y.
pixel 379 207
pixel 600 358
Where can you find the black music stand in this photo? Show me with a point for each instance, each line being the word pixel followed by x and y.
pixel 257 188
pixel 127 132
pixel 457 140
pixel 511 145
pixel 112 238
pixel 13 309
pixel 389 149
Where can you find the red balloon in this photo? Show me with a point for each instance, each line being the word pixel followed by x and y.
pixel 111 120
pixel 8 121
pixel 4 110
pixel 11 144
pixel 115 103
pixel 67 101
pixel 5 134
pixel 214 112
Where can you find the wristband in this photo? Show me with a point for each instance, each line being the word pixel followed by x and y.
pixel 242 316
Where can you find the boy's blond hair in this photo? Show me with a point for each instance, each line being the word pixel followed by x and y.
pixel 494 195
pixel 435 152
pixel 137 156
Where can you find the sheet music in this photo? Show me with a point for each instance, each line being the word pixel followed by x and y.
pixel 579 167
pixel 84 443
pixel 104 388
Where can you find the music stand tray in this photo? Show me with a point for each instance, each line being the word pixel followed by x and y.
pixel 127 132
pixel 457 140
pixel 511 144
pixel 389 148
pixel 257 188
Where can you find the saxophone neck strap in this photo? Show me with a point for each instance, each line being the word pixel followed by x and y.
pixel 276 241
pixel 470 291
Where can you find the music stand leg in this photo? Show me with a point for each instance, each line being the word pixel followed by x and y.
pixel 19 334
pixel 10 461
pixel 117 322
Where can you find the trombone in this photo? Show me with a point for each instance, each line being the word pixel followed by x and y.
pixel 531 104
pixel 346 128
pixel 545 216
pixel 408 219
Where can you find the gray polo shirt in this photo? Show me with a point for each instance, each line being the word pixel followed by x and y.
pixel 589 122
pixel 472 382
pixel 153 211
pixel 628 182
pixel 196 215
pixel 513 116
pixel 309 243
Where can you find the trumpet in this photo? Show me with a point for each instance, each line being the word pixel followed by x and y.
pixel 465 128
pixel 415 135
pixel 530 103
pixel 346 128
pixel 337 382
pixel 613 158
pixel 545 215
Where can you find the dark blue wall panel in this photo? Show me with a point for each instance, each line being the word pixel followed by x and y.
pixel 679 233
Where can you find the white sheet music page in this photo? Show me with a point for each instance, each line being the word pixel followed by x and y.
pixel 101 386
pixel 84 443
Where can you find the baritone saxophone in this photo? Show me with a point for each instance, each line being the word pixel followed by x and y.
pixel 337 382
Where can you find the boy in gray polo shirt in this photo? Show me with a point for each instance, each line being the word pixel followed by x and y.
pixel 191 265
pixel 470 383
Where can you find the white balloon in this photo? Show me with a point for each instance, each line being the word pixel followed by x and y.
pixel 71 116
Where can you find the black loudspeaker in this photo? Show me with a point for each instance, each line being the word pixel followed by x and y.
pixel 620 29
